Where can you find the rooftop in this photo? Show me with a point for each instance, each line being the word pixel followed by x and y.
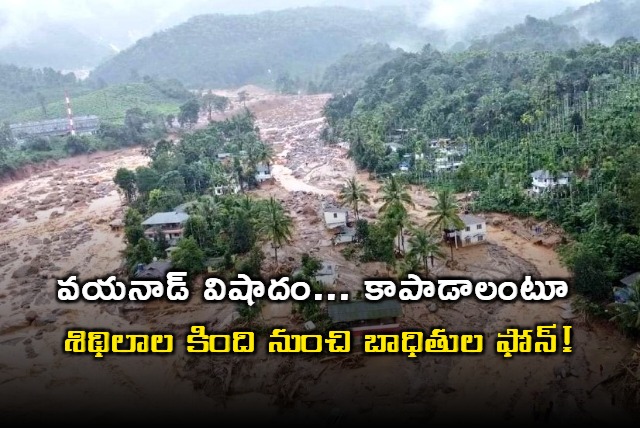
pixel 631 279
pixel 335 210
pixel 157 269
pixel 546 174
pixel 327 269
pixel 469 219
pixel 166 218
pixel 361 310
pixel 344 230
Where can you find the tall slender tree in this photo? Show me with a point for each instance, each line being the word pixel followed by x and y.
pixel 277 225
pixel 445 214
pixel 424 244
pixel 352 194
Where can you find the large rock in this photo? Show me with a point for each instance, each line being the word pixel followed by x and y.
pixel 25 270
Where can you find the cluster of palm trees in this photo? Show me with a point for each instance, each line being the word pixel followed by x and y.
pixel 239 221
pixel 424 242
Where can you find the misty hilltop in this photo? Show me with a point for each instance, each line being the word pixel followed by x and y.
pixel 605 21
pixel 534 35
pixel 231 50
pixel 57 46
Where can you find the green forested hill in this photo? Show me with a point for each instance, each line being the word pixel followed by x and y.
pixel 575 112
pixel 36 94
pixel 24 88
pixel 354 68
pixel 231 50
pixel 532 35
pixel 111 102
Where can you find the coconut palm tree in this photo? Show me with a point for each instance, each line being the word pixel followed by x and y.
pixel 424 244
pixel 410 264
pixel 277 225
pixel 394 193
pixel 353 193
pixel 265 154
pixel 445 214
pixel 395 219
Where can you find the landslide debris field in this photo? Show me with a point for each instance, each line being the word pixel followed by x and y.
pixel 57 221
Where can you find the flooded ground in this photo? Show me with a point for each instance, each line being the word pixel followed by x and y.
pixel 57 221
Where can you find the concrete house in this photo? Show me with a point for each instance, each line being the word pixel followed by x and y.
pixel 474 231
pixel 170 224
pixel 335 217
pixel 326 275
pixel 263 173
pixel 544 180
pixel 344 235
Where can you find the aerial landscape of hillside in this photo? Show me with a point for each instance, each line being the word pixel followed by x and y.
pixel 332 149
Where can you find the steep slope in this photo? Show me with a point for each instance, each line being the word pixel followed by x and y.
pixel 351 71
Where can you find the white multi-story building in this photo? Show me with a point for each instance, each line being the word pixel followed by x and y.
pixel 474 231
pixel 544 180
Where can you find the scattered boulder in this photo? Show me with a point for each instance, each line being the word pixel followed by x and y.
pixel 31 316
pixel 25 270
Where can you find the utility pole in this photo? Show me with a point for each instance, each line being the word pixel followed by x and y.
pixel 72 129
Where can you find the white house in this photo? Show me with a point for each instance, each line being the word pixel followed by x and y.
pixel 225 190
pixel 326 275
pixel 263 173
pixel 544 180
pixel 475 230
pixel 335 217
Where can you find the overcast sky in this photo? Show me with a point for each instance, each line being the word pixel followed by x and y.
pixel 122 22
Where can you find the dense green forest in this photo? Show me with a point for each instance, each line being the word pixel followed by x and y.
pixel 350 71
pixel 510 114
pixel 532 35
pixel 232 50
